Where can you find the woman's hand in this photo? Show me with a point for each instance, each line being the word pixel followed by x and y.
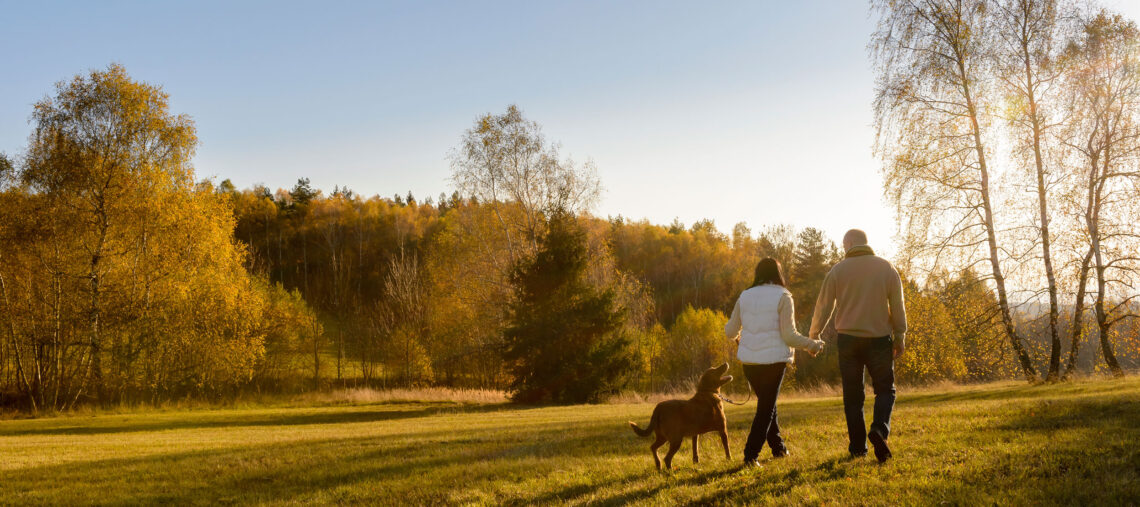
pixel 816 348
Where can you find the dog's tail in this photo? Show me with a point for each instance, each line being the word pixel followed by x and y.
pixel 648 430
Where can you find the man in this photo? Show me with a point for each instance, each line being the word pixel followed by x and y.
pixel 865 293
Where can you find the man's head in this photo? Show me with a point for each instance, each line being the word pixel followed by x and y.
pixel 854 238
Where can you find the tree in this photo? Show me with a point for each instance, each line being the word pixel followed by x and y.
pixel 404 314
pixel 1104 93
pixel 563 343
pixel 933 59
pixel 101 150
pixel 506 159
pixel 813 257
pixel 1026 54
pixel 694 343
pixel 120 277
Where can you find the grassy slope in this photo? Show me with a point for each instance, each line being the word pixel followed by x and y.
pixel 1076 443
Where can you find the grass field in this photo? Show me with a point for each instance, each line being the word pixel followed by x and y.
pixel 1010 443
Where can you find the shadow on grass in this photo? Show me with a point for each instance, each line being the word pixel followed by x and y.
pixel 201 420
pixel 371 467
pixel 1071 452
pixel 1013 391
pixel 700 478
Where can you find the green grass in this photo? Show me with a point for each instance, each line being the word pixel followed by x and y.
pixel 1008 443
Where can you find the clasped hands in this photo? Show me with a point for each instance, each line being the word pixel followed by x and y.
pixel 816 345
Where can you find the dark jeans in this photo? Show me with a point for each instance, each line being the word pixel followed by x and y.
pixel 765 380
pixel 877 356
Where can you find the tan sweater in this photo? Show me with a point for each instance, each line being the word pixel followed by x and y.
pixel 866 295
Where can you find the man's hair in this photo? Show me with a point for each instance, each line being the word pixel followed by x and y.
pixel 855 237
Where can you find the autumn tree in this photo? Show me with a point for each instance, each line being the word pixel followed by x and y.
pixel 121 278
pixel 506 160
pixel 933 92
pixel 695 342
pixel 1027 50
pixel 1104 96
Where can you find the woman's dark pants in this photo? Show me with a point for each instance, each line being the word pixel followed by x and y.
pixel 877 356
pixel 765 380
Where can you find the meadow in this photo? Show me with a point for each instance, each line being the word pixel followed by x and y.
pixel 1003 443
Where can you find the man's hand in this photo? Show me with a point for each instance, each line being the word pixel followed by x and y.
pixel 900 347
pixel 737 339
pixel 816 348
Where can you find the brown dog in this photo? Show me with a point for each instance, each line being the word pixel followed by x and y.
pixel 673 420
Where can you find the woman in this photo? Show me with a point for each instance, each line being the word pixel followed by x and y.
pixel 765 334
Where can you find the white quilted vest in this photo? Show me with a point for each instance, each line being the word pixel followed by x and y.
pixel 760 341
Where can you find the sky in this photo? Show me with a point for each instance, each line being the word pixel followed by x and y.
pixel 749 111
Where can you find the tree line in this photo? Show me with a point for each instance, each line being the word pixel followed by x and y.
pixel 125 279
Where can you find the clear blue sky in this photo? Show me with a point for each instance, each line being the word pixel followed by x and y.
pixel 736 111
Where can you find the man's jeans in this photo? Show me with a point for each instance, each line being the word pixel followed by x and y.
pixel 877 355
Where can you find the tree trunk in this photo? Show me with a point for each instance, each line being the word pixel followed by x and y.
pixel 1103 324
pixel 1043 214
pixel 1075 327
pixel 991 236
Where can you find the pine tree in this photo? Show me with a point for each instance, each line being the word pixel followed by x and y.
pixel 812 259
pixel 564 340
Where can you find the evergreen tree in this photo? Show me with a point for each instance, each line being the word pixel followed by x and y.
pixel 564 342
pixel 302 192
pixel 810 263
pixel 812 259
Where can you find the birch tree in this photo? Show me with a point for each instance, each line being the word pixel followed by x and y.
pixel 933 90
pixel 1104 96
pixel 1026 53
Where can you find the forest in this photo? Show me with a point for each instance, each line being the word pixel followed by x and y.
pixel 1008 136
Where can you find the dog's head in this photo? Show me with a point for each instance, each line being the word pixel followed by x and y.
pixel 713 378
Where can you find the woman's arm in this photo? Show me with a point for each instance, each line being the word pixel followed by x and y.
pixel 788 326
pixel 732 328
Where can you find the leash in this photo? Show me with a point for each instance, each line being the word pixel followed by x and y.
pixel 727 400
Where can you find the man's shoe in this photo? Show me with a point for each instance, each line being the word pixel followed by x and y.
pixel 752 463
pixel 857 455
pixel 782 453
pixel 882 451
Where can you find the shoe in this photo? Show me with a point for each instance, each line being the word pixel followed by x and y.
pixel 783 453
pixel 752 463
pixel 882 451
pixel 857 455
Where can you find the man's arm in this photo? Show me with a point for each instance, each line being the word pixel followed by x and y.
pixel 824 305
pixel 897 307
pixel 732 327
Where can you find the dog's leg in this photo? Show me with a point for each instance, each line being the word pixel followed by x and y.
pixel 674 445
pixel 724 442
pixel 696 456
pixel 653 448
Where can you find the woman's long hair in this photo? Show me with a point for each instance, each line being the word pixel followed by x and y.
pixel 768 271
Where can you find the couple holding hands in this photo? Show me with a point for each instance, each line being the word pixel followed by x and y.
pixel 864 292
